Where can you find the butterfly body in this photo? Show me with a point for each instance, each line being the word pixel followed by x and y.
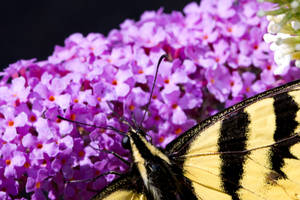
pixel 249 151
pixel 158 171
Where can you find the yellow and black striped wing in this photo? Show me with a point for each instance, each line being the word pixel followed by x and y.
pixel 123 188
pixel 249 151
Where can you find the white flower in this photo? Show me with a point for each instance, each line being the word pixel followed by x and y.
pixel 295 25
pixel 297 63
pixel 282 50
pixel 274 24
pixel 295 4
pixel 283 34
pixel 282 61
pixel 268 37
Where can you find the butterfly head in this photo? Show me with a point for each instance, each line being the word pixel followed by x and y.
pixel 126 142
pixel 127 139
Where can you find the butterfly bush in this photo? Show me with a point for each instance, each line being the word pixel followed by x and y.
pixel 284 31
pixel 216 57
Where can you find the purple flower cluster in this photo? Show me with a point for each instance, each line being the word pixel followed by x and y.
pixel 217 58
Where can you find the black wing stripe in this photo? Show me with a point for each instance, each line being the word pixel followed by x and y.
pixel 180 145
pixel 233 129
pixel 129 182
pixel 285 111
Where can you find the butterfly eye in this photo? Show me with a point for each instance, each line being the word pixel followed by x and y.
pixel 126 142
pixel 154 167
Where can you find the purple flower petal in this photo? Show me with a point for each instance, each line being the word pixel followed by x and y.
pixel 63 101
pixel 51 149
pixel 65 127
pixel 18 159
pixel 28 140
pixel 76 65
pixel 122 90
pixel 224 8
pixel 178 116
pixel 43 129
pixel 21 119
pixel 9 134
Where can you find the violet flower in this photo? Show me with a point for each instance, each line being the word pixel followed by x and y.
pixel 217 58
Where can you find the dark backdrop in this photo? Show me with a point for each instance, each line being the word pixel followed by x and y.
pixel 31 29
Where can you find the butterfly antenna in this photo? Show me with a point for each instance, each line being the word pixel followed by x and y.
pixel 120 118
pixel 93 179
pixel 91 125
pixel 152 89
pixel 113 153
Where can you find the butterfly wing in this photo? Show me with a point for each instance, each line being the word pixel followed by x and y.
pixel 249 151
pixel 123 188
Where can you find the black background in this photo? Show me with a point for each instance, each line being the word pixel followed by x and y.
pixel 31 29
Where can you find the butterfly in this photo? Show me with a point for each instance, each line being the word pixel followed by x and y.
pixel 249 151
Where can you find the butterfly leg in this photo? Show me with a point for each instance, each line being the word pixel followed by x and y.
pixel 117 156
pixel 94 178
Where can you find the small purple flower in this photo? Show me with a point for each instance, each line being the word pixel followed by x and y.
pixel 171 110
pixel 11 122
pixel 216 58
pixel 218 82
pixel 220 53
pixel 209 32
pixel 236 84
pixel 224 9
pixel 248 79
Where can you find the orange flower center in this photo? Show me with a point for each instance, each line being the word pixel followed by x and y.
pixel 58 120
pixel 174 106
pixel 101 130
pixel 131 107
pixel 178 131
pixel 11 123
pixel 63 161
pixel 98 172
pixel 157 118
pixel 73 117
pixel 51 98
pixel 81 154
pixel 27 165
pixel 114 82
pixel 17 102
pixel 32 118
pixel 38 184
pixel 7 162
pixel 161 139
